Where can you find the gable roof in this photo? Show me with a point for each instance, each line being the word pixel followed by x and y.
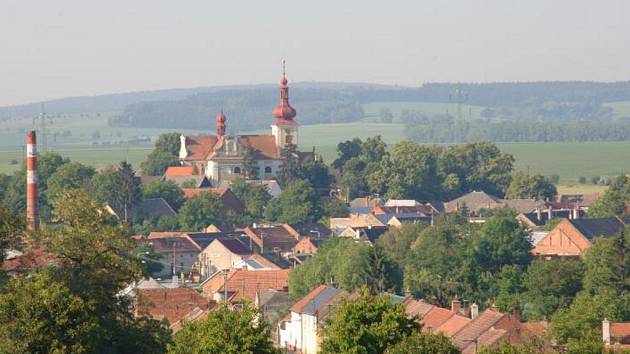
pixel 356 221
pixel 146 207
pixel 244 284
pixel 476 328
pixel 234 245
pixel 202 147
pixel 163 242
pixel 319 301
pixel 477 200
pixel 179 171
pixel 604 227
pixel 172 304
pixel 269 238
pixel 197 180
pixel 311 229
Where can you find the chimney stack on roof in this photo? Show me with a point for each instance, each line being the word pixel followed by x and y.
pixel 474 311
pixel 32 198
pixel 456 305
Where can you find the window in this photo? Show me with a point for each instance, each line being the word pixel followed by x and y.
pixel 267 169
pixel 237 170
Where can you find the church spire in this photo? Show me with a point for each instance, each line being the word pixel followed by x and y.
pixel 284 110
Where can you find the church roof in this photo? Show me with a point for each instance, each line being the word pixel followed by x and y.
pixel 201 147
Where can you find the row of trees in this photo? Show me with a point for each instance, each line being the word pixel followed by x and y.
pixel 432 173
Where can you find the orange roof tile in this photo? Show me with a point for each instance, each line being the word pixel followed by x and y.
pixel 453 325
pixel 417 308
pixel 244 284
pixel 172 304
pixel 201 147
pixel 435 318
pixel 179 171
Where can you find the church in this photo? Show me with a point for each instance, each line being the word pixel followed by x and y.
pixel 220 157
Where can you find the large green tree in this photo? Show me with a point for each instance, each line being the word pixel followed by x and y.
pixel 299 202
pixel 550 285
pixel 396 243
pixel 69 176
pixel 38 314
pixel 524 185
pixel 165 154
pixel 347 264
pixel 613 202
pixel 96 261
pixel 225 332
pixel 250 164
pixel 168 190
pixel 128 189
pixel 368 324
pixel 255 196
pixel 290 168
pixel 200 211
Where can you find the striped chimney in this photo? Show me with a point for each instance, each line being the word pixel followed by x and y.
pixel 32 207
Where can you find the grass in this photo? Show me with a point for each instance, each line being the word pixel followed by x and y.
pixel 620 109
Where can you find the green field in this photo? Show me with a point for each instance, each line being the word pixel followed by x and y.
pixel 620 109
pixel 373 109
pixel 568 160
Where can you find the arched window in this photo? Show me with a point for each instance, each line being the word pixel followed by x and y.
pixel 237 170
pixel 267 169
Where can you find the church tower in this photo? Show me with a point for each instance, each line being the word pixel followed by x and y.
pixel 284 128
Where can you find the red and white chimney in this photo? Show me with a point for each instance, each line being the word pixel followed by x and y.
pixel 32 207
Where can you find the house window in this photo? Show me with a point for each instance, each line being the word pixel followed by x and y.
pixel 267 169
pixel 237 170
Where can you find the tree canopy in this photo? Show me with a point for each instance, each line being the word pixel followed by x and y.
pixel 299 202
pixel 200 211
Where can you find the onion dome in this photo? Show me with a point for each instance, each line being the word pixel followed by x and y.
pixel 284 110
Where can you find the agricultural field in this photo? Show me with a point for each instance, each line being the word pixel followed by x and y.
pixel 373 109
pixel 568 160
pixel 620 109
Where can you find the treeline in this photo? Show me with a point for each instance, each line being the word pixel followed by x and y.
pixel 452 131
pixel 245 109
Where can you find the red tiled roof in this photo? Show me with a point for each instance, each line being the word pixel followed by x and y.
pixel 282 237
pixel 33 259
pixel 476 327
pixel 297 307
pixel 417 308
pixel 487 339
pixel 264 145
pixel 435 318
pixel 620 329
pixel 172 304
pixel 201 147
pixel 165 241
pixel 179 171
pixel 453 325
pixel 244 284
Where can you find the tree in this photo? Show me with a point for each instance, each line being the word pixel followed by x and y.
pixel 396 243
pixel 336 208
pixel 353 183
pixel 255 197
pixel 421 343
pixel 349 265
pixel 316 172
pixel 347 150
pixel 385 115
pixel 550 285
pixel 200 211
pixel 11 226
pixel 104 186
pixel 368 324
pixel 502 241
pixel 167 190
pixel 69 176
pixel 250 164
pixel 299 202
pixel 41 315
pixel 164 154
pixel 225 332
pixel 128 188
pixel 607 264
pixel 431 271
pixel 526 186
pixel 290 167
pixel 612 203
pixel 96 261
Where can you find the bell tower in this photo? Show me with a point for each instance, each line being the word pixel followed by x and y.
pixel 284 128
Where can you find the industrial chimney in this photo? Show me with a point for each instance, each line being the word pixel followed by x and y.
pixel 32 207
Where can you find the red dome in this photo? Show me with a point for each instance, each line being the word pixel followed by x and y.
pixel 284 111
pixel 220 118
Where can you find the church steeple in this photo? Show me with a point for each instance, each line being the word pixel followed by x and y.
pixel 283 110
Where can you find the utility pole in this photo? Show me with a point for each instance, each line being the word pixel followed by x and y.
pixel 460 98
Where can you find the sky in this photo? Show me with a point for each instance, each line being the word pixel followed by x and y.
pixel 60 48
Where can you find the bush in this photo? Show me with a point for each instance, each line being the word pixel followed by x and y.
pixel 595 179
pixel 582 179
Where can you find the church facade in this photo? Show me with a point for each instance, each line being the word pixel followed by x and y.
pixel 220 157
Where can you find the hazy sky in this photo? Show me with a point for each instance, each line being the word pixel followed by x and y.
pixel 57 48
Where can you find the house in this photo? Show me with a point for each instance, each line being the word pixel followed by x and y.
pixel 146 208
pixel 279 239
pixel 357 226
pixel 172 304
pixel 299 330
pixel 240 284
pixel 538 218
pixel 220 157
pixel 195 181
pixel 575 201
pixel 222 253
pixel 363 205
pixel 256 262
pixel 572 237
pixel 272 186
pixel 490 329
pixel 308 245
pixel 177 251
pixel 231 203
pixel 436 319
pixel 312 229
pixel 616 335
pixel 477 201
pixel 179 171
